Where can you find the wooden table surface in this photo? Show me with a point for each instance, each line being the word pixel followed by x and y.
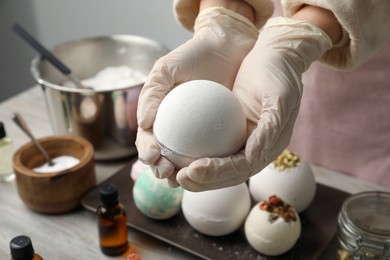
pixel 74 235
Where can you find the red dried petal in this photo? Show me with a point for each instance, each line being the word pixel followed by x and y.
pixel 263 206
pixel 275 201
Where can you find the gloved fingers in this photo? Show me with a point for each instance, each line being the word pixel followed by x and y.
pixel 268 95
pixel 212 173
pixel 188 184
pixel 272 86
pixel 222 39
pixel 163 168
pixel 212 170
pixel 221 22
pixel 147 147
pixel 149 153
pixel 160 81
pixel 272 134
pixel 172 182
pixel 285 135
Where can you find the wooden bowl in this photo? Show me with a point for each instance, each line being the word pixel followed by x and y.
pixel 54 192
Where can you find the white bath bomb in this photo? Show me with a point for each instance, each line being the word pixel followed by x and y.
pixel 217 212
pixel 199 118
pixel 269 233
pixel 154 198
pixel 295 185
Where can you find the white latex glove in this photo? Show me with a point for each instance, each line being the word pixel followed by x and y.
pixel 221 40
pixel 269 87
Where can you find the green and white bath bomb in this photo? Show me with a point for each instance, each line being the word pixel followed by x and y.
pixel 154 198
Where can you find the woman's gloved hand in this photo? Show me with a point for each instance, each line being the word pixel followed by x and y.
pixel 269 87
pixel 221 40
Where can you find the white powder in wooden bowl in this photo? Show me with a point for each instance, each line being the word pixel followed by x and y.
pixel 61 163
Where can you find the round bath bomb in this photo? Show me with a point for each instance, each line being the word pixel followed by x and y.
pixel 272 227
pixel 289 178
pixel 154 198
pixel 199 118
pixel 137 168
pixel 217 212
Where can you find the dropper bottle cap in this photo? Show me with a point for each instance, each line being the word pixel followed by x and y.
pixel 2 131
pixel 109 195
pixel 21 248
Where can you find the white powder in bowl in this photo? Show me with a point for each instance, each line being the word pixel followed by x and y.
pixel 61 163
pixel 111 78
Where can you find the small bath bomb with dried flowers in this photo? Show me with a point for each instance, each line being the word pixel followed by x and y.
pixel 272 227
pixel 289 178
pixel 199 118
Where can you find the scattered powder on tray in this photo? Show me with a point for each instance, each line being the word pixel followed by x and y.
pixel 61 163
pixel 112 78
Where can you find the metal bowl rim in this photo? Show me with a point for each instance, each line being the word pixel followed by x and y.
pixel 122 37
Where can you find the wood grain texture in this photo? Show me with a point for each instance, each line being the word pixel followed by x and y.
pixel 60 191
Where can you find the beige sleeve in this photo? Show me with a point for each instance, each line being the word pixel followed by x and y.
pixel 186 11
pixel 366 26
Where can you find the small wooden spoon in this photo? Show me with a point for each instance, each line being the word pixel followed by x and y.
pixel 17 118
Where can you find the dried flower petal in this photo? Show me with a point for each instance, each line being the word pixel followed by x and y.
pixel 275 201
pixel 276 208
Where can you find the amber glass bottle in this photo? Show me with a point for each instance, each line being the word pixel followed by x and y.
pixel 111 222
pixel 22 249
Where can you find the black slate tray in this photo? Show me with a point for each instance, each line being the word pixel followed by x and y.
pixel 319 224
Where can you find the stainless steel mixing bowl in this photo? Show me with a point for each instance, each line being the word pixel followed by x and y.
pixel 106 118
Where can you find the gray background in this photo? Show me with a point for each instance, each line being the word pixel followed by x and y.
pixel 56 21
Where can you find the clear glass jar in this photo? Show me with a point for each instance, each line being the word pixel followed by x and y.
pixel 364 227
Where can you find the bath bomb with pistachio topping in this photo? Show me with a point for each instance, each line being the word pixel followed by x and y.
pixel 289 178
pixel 199 118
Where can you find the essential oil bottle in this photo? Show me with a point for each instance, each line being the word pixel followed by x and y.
pixel 111 222
pixel 22 249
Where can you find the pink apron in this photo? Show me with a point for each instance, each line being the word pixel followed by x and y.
pixel 344 119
